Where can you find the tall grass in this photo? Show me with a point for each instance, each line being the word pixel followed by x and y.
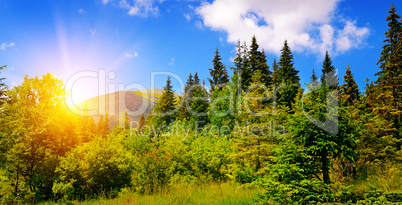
pixel 224 193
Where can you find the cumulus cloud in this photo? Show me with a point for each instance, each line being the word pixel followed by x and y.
pixel 131 54
pixel 308 25
pixel 6 45
pixel 142 8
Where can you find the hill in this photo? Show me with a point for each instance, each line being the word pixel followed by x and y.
pixel 117 103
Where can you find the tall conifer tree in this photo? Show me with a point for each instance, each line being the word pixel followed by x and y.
pixel 329 77
pixel 350 89
pixel 218 73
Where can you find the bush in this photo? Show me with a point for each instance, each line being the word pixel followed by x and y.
pixel 100 166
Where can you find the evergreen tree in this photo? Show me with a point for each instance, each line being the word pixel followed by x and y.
pixel 390 76
pixel 287 77
pixel 275 67
pixel 350 90
pixel 317 146
pixel 141 124
pixel 196 79
pixel 314 78
pixel 329 77
pixel 3 88
pixel 183 112
pixel 219 73
pixel 241 68
pixel 258 62
pixel 165 106
pixel 286 71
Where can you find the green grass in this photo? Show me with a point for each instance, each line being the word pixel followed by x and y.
pixel 225 193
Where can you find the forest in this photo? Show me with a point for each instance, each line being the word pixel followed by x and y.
pixel 257 136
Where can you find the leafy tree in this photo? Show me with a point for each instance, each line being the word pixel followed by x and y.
pixel 349 90
pixel 40 129
pixel 101 165
pixel 329 77
pixel 218 73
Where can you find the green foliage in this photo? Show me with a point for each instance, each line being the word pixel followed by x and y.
pixel 349 92
pixel 390 75
pixel 219 73
pixel 3 88
pixel 95 167
pixel 287 79
pixel 329 77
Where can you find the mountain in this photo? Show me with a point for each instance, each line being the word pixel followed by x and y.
pixel 117 103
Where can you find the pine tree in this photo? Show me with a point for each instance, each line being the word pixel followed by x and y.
pixel 166 104
pixel 286 71
pixel 183 113
pixel 287 77
pixel 241 68
pixel 350 90
pixel 218 73
pixel 275 67
pixel 258 62
pixel 3 88
pixel 196 79
pixel 390 76
pixel 313 78
pixel 329 77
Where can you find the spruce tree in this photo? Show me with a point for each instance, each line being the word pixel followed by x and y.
pixel 166 103
pixel 313 78
pixel 3 88
pixel 329 77
pixel 349 90
pixel 183 112
pixel 241 68
pixel 275 67
pixel 141 124
pixel 258 62
pixel 218 73
pixel 390 75
pixel 287 77
pixel 286 71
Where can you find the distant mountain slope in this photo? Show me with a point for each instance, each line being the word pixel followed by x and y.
pixel 115 104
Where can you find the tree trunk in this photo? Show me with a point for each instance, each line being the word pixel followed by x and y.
pixel 325 167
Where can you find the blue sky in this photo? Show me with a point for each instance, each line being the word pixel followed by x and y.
pixel 133 38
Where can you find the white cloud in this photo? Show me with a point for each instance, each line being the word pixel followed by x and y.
pixel 307 25
pixel 188 17
pixel 131 54
pixel 142 8
pixel 82 11
pixel 350 37
pixel 6 45
pixel 171 62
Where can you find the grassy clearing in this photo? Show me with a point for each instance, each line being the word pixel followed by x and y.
pixel 225 193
